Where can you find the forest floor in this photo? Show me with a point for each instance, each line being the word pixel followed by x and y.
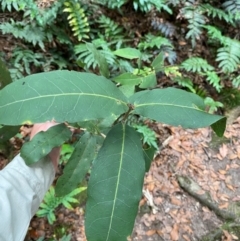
pixel 168 212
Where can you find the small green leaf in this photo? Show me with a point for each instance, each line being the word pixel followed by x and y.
pixel 175 107
pixel 128 79
pixel 5 77
pixel 158 62
pixel 43 142
pixel 128 53
pixel 115 186
pixel 148 81
pixel 78 165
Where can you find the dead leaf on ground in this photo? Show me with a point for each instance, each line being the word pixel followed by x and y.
pixel 175 233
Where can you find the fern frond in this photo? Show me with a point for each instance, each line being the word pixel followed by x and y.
pixel 154 42
pixel 214 33
pixel 229 56
pixel 196 64
pixel 232 6
pixel 14 4
pixel 236 82
pixel 184 82
pixel 193 14
pixel 111 29
pixel 87 56
pixel 214 80
pixel 28 32
pixel 215 12
pixel 148 5
pixel 164 27
pixel 77 19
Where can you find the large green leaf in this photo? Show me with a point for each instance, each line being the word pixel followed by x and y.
pixel 78 165
pixel 176 107
pixel 60 95
pixel 43 142
pixel 5 77
pixel 115 186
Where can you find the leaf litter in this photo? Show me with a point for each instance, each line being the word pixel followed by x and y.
pixel 214 167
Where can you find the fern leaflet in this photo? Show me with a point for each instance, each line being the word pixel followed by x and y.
pixel 77 19
pixel 196 64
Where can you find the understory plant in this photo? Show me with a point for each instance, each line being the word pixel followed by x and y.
pixel 109 144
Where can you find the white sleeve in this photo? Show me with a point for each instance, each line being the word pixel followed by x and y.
pixel 22 188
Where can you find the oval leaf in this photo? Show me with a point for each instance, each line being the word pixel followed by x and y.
pixel 115 186
pixel 60 95
pixel 77 166
pixel 128 53
pixel 43 142
pixel 175 107
pixel 128 79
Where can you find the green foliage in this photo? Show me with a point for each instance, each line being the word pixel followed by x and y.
pixel 212 105
pixel 28 32
pixel 228 56
pixel 91 54
pixel 43 143
pixel 214 12
pixel 149 136
pixel 148 5
pixel 195 64
pixel 193 14
pixel 232 6
pixel 117 173
pixel 111 30
pixel 77 19
pixel 51 202
pixel 78 164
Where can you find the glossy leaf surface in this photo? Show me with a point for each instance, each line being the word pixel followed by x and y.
pixel 60 95
pixel 176 107
pixel 115 186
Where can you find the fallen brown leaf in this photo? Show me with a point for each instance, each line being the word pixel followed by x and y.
pixel 223 150
pixel 175 233
pixel 151 232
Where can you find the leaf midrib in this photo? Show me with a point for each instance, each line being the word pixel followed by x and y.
pixel 167 104
pixel 117 184
pixel 63 94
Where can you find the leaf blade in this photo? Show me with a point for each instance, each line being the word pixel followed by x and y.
pixel 77 166
pixel 60 95
pixel 43 142
pixel 175 107
pixel 115 186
